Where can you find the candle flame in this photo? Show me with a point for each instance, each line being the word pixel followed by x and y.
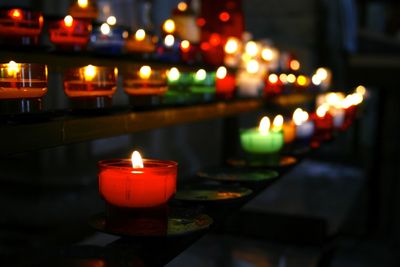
pixel 173 74
pixel 300 116
pixel 221 72
pixel 267 54
pixel 201 75
pixel 137 161
pixel 251 49
pixel 89 72
pixel 145 72
pixel 83 3
pixel 182 6
pixel 185 45
pixel 111 20
pixel 291 78
pixel 232 45
pixel 15 14
pixel 169 40
pixel 253 66
pixel 302 80
pixel 68 21
pixel 273 78
pixel 264 126
pixel 169 26
pixel 321 74
pixel 322 110
pixel 140 35
pixel 13 68
pixel 277 123
pixel 294 65
pixel 105 29
pixel 361 90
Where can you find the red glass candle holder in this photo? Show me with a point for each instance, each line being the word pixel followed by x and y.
pixel 84 10
pixel 70 33
pixel 123 186
pixel 20 26
pixel 225 84
pixel 145 86
pixel 323 127
pixel 22 86
pixel 91 86
pixel 350 114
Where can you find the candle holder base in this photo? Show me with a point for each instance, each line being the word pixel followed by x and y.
pixel 145 100
pixel 283 164
pixel 18 106
pixel 177 223
pixel 87 103
pixel 248 177
pixel 205 194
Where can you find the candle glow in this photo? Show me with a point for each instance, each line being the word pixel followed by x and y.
pixel 83 3
pixel 105 29
pixel 137 161
pixel 253 66
pixel 89 72
pixel 277 123
pixel 68 21
pixel 13 68
pixel 140 35
pixel 16 14
pixel 267 54
pixel 264 126
pixel 173 74
pixel 169 40
pixel 145 72
pixel 232 45
pixel 169 26
pixel 201 75
pixel 221 72
pixel 251 49
pixel 111 20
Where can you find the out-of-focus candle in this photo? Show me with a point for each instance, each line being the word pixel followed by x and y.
pixel 263 140
pixel 232 52
pixel 70 33
pixel 22 80
pixel 203 85
pixel 108 39
pixel 20 26
pixel 137 183
pixel 84 9
pixel 91 83
pixel 145 86
pixel 304 126
pixel 225 83
pixel 323 123
pixel 140 42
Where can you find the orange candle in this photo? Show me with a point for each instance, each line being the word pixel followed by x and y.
pixel 22 80
pixel 289 132
pixel 90 81
pixel 137 183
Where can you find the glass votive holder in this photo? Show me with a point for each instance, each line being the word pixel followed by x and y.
pixel 107 39
pixel 145 86
pixel 203 86
pixel 22 86
pixel 84 9
pixel 140 42
pixel 137 196
pixel 178 87
pixel 90 86
pixel 20 26
pixel 70 33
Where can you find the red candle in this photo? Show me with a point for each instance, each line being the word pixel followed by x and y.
pixel 225 84
pixel 188 52
pixel 323 124
pixel 70 33
pixel 137 183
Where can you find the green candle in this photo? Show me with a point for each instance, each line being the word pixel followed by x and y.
pixel 178 87
pixel 263 140
pixel 203 82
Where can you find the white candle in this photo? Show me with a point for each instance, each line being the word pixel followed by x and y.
pixel 304 127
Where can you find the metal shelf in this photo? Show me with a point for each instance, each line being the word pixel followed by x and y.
pixel 66 130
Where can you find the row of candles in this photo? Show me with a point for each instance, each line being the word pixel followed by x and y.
pixel 29 81
pixel 143 84
pixel 135 186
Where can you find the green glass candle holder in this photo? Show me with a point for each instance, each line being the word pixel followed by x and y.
pixel 203 85
pixel 255 142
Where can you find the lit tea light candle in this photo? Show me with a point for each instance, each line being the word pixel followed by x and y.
pixel 141 42
pixel 263 140
pixel 20 26
pixel 146 86
pixel 289 131
pixel 188 52
pixel 70 33
pixel 22 80
pixel 137 183
pixel 92 83
pixel 169 26
pixel 225 83
pixel 108 39
pixel 323 123
pixel 304 126
pixel 232 52
pixel 203 85
pixel 84 9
